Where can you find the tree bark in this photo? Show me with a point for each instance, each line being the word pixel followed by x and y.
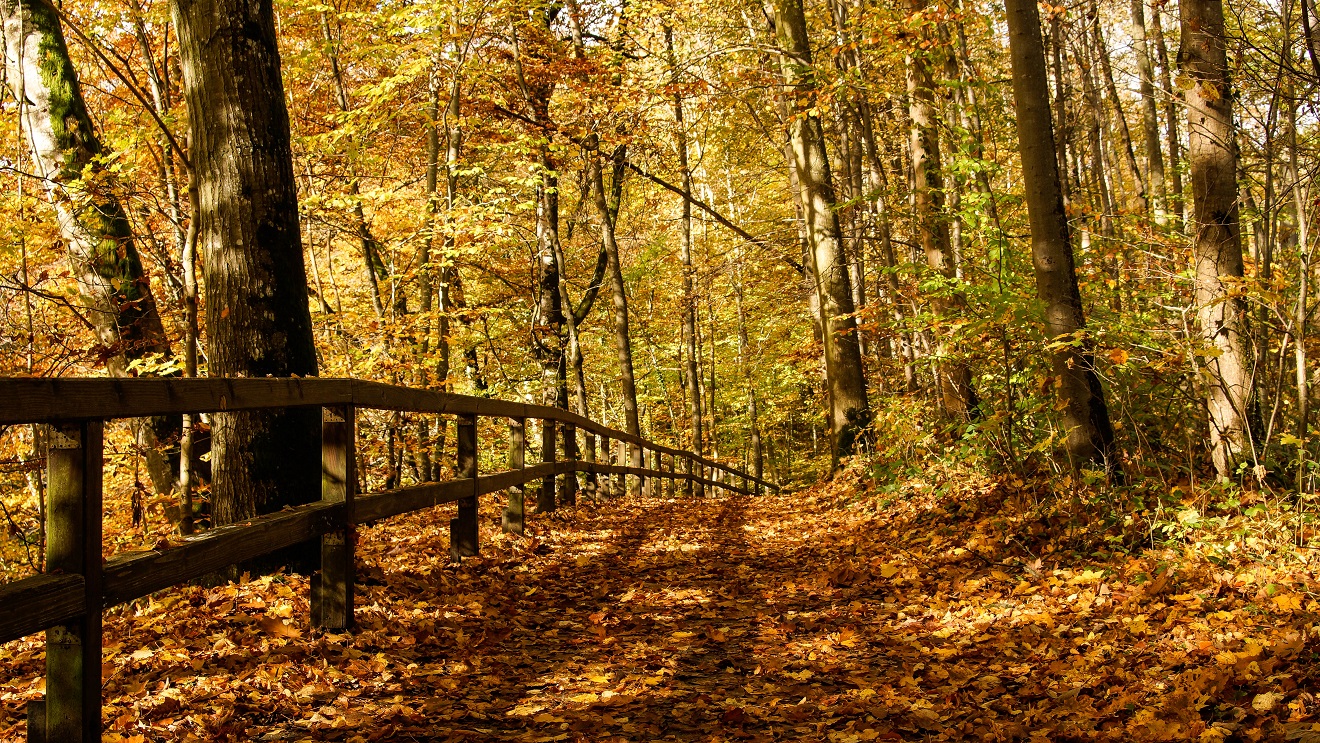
pixel 1090 436
pixel 548 320
pixel 1150 122
pixel 1177 205
pixel 257 318
pixel 1217 248
pixel 685 256
pixel 850 412
pixel 1124 133
pixel 955 377
pixel 622 338
pixel 749 379
pixel 1062 126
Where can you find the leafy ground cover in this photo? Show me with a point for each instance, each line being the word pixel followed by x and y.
pixel 979 611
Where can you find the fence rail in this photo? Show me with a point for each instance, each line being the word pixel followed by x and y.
pixel 68 600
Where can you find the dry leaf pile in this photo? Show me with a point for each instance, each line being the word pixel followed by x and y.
pixel 822 616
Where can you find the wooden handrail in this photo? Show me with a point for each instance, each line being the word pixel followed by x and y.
pixel 54 399
pixel 68 602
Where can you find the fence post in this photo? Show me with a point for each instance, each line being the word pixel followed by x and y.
pixel 589 481
pixel 638 456
pixel 512 520
pixel 643 482
pixel 619 479
pixel 568 486
pixel 73 546
pixel 463 528
pixel 332 588
pixel 545 500
pixel 603 479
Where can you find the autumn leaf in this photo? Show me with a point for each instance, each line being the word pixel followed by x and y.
pixel 278 628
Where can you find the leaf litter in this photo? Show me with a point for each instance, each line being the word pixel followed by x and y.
pixel 954 613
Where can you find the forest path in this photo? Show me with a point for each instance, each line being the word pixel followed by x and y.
pixel 823 615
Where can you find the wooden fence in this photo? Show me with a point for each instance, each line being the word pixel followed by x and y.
pixel 67 600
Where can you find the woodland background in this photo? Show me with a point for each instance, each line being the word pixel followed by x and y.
pixel 426 137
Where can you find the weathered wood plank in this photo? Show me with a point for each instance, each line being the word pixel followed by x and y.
pixel 568 485
pixel 545 499
pixel 48 400
pixel 137 575
pixel 512 520
pixel 390 397
pixel 382 505
pixel 332 588
pixel 54 399
pixel 73 547
pixel 463 530
pixel 32 604
pixel 497 481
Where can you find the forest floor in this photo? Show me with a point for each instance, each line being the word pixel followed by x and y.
pixel 971 612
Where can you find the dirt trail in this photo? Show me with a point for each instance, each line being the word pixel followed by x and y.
pixel 818 616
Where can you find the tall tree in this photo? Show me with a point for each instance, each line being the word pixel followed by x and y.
pixel 1120 118
pixel 1217 248
pixel 1089 434
pixel 690 377
pixel 537 91
pixel 257 317
pixel 608 214
pixel 67 154
pixel 1150 121
pixel 955 377
pixel 1177 204
pixel 850 411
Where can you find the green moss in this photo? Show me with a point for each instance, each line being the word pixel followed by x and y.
pixel 114 256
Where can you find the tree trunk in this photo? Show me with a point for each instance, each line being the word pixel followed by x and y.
pixel 685 255
pixel 1103 193
pixel 622 339
pixel 1062 126
pixel 375 268
pixel 850 412
pixel 548 315
pixel 257 318
pixel 1090 437
pixel 955 377
pixel 878 185
pixel 65 150
pixel 1150 121
pixel 1124 133
pixel 1177 205
pixel 1301 205
pixel 1212 159
pixel 749 378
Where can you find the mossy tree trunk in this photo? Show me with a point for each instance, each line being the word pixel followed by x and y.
pixel 67 154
